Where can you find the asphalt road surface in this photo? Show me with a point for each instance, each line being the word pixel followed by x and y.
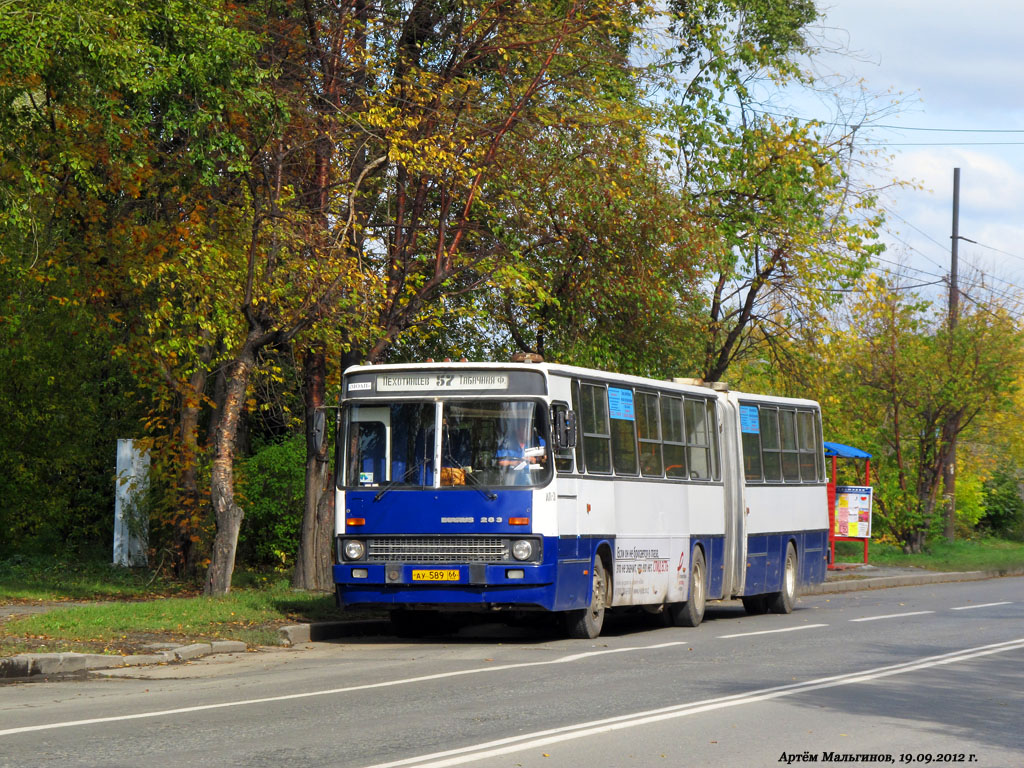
pixel 927 675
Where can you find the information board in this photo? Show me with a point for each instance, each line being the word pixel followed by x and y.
pixel 853 511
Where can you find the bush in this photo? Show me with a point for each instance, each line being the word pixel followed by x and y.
pixel 1004 507
pixel 271 486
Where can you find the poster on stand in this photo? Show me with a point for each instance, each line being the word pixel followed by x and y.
pixel 853 511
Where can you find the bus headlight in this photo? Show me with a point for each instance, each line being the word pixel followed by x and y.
pixel 354 549
pixel 522 549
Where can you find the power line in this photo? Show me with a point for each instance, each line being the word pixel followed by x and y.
pixel 944 130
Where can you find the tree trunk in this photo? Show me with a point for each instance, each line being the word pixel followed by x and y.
pixel 313 561
pixel 188 482
pixel 228 514
pixel 186 523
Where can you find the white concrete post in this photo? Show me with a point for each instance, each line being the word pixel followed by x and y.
pixel 131 520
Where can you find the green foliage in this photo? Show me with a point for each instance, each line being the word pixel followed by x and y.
pixel 1003 513
pixel 272 485
pixel 64 403
pixel 980 554
pixel 892 379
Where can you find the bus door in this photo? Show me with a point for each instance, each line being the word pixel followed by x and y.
pixel 735 512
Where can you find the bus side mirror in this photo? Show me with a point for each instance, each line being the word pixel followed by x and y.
pixel 564 428
pixel 318 430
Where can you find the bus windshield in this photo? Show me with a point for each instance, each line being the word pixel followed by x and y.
pixel 483 443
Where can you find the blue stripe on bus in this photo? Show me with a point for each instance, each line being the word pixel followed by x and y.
pixel 562 580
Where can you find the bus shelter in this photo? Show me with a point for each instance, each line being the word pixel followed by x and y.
pixel 849 506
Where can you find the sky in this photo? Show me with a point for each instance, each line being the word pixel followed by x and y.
pixel 956 69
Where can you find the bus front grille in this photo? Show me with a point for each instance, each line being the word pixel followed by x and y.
pixel 437 549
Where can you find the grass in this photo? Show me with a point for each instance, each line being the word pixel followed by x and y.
pixel 249 615
pixel 123 610
pixel 36 578
pixel 962 555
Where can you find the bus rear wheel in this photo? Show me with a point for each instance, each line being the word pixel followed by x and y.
pixel 586 624
pixel 782 602
pixel 691 613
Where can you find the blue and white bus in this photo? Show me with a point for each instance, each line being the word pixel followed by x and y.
pixel 534 486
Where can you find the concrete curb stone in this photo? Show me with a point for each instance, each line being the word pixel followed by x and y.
pixel 26 665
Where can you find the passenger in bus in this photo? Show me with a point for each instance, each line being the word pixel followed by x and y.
pixel 519 448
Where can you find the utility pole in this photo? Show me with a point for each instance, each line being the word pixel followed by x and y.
pixel 952 424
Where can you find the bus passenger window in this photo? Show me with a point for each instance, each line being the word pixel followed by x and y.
pixel 805 430
pixel 697 439
pixel 623 414
pixel 770 449
pixel 716 465
pixel 649 434
pixel 750 428
pixel 790 455
pixel 596 437
pixel 674 445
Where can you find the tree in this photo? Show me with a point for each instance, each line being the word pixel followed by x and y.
pixel 373 230
pixel 903 375
pixel 115 120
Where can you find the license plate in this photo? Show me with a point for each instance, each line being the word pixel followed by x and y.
pixel 435 575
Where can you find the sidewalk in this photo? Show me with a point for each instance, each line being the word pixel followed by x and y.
pixel 850 577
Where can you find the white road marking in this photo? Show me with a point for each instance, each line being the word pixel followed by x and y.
pixel 491 749
pixel 771 631
pixel 983 605
pixel 288 697
pixel 893 616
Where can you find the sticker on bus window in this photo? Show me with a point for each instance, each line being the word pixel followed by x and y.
pixel 620 404
pixel 749 419
pixel 366 478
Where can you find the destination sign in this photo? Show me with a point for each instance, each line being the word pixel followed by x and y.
pixel 441 380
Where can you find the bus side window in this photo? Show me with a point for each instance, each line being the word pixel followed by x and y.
pixel 648 429
pixel 698 447
pixel 771 454
pixel 713 426
pixel 674 446
pixel 790 454
pixel 750 427
pixel 579 439
pixel 808 444
pixel 623 428
pixel 596 436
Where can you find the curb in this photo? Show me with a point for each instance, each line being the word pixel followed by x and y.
pixel 296 634
pixel 853 584
pixel 33 664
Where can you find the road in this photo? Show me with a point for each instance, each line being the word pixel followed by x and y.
pixel 932 671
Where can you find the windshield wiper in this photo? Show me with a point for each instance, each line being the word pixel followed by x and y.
pixel 391 484
pixel 489 495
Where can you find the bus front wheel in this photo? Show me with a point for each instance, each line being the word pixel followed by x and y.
pixel 586 624
pixel 691 613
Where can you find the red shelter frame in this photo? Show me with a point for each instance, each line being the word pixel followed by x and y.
pixel 838 451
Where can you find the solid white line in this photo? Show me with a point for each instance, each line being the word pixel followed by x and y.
pixel 288 697
pixel 772 631
pixel 491 749
pixel 983 605
pixel 894 616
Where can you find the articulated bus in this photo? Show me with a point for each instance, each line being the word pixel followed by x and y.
pixel 473 487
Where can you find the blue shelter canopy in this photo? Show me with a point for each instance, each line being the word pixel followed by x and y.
pixel 845 451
